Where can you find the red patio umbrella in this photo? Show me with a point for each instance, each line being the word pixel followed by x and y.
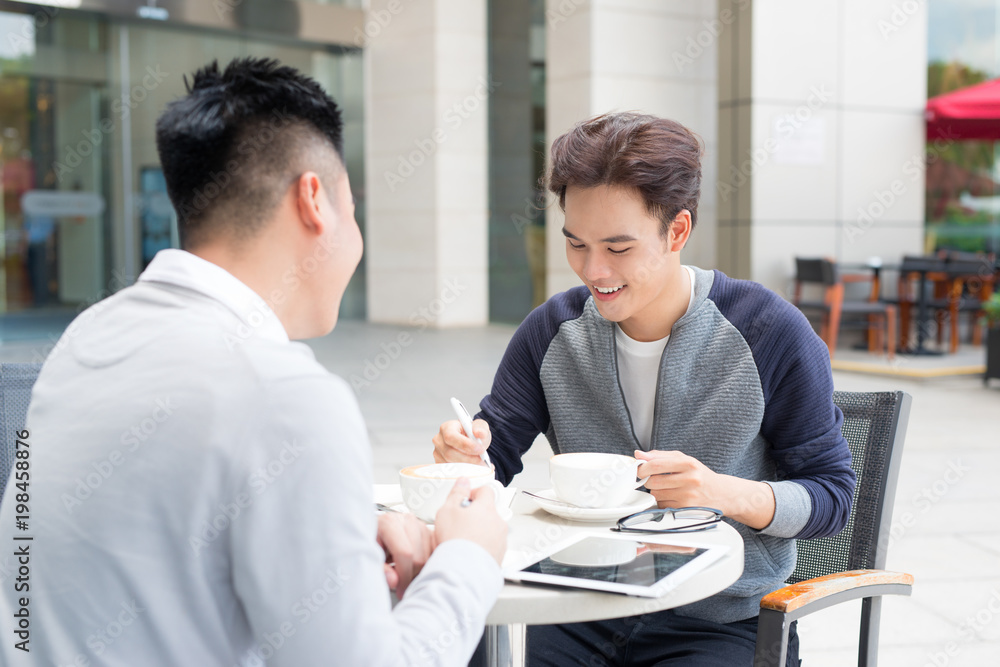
pixel 969 113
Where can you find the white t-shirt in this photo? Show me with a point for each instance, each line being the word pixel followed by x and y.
pixel 638 369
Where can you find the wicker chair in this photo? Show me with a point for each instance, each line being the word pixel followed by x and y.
pixel 16 381
pixel 848 566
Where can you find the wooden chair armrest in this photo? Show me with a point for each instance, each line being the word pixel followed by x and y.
pixel 790 598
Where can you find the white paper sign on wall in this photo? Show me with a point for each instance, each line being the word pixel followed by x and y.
pixel 799 141
pixel 59 204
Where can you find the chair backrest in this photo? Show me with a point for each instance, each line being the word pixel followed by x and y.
pixel 955 255
pixel 16 381
pixel 911 263
pixel 874 427
pixel 981 268
pixel 821 271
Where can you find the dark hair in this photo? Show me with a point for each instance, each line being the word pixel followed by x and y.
pixel 234 144
pixel 660 159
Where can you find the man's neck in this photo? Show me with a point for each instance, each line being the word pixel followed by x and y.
pixel 657 320
pixel 256 269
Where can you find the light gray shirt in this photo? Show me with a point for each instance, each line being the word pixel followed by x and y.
pixel 201 494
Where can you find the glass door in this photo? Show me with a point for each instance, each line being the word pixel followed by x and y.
pixel 53 196
pixel 53 160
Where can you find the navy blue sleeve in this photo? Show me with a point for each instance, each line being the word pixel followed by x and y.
pixel 801 422
pixel 515 408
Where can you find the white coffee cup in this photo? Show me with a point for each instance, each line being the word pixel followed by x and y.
pixel 593 479
pixel 425 487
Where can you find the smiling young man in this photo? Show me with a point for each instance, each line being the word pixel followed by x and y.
pixel 719 386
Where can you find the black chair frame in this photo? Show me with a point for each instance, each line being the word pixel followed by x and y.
pixel 16 381
pixel 851 565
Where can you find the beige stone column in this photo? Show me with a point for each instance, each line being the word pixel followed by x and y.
pixel 618 55
pixel 821 133
pixel 426 114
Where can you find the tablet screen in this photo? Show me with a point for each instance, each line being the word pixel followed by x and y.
pixel 616 561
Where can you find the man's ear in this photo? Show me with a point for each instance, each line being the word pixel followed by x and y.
pixel 309 196
pixel 680 231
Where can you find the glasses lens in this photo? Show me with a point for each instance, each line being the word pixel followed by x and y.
pixel 642 517
pixel 695 515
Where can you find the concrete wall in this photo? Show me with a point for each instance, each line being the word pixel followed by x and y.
pixel 820 134
pixel 426 116
pixel 622 55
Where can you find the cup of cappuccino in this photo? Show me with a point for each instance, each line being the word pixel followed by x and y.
pixel 425 487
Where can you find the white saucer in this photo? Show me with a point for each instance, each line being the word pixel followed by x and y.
pixel 638 501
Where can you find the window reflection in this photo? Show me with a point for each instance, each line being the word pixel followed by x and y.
pixel 963 201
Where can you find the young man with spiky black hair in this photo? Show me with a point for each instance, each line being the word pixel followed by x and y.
pixel 718 386
pixel 201 488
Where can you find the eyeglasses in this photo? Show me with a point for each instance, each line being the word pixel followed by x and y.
pixel 700 518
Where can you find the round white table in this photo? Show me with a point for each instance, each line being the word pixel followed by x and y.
pixel 532 531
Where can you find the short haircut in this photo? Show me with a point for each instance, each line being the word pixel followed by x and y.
pixel 657 158
pixel 232 147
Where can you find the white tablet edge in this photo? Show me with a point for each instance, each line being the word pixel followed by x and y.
pixel 713 552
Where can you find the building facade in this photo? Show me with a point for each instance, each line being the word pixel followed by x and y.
pixel 811 116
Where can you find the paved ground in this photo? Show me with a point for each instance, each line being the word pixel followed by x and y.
pixel 948 488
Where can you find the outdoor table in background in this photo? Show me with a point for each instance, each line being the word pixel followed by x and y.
pixel 875 268
pixel 921 266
